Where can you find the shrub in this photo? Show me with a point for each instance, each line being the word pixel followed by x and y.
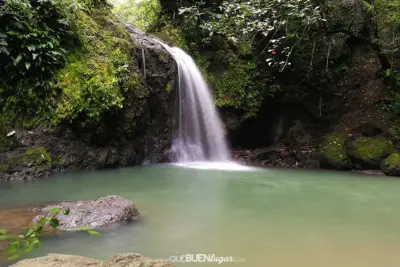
pixel 33 35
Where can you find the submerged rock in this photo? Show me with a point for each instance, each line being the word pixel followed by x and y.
pixel 93 213
pixel 391 165
pixel 122 260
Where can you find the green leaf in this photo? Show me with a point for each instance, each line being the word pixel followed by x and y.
pixel 31 47
pixel 3 231
pixel 36 243
pixel 34 56
pixel 27 65
pixel 4 50
pixel 18 59
pixel 92 232
pixel 41 221
pixel 39 230
pixel 53 222
pixel 66 212
pixel 388 72
pixel 2 237
pixel 55 211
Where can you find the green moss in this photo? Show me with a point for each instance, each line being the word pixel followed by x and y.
pixel 391 165
pixel 370 149
pixel 37 158
pixel 99 73
pixel 38 155
pixel 168 87
pixel 393 161
pixel 332 146
pixel 235 87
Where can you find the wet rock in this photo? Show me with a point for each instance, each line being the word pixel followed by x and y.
pixel 123 260
pixel 371 172
pixel 93 213
pixel 391 165
pixel 278 155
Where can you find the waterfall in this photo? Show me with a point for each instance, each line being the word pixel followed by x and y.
pixel 199 133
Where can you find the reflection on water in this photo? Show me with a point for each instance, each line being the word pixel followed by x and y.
pixel 269 217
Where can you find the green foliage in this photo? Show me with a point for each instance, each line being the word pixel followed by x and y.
pixel 26 242
pixel 65 60
pixel 33 35
pixel 170 34
pixel 141 14
pixel 98 74
pixel 237 86
pixel 281 23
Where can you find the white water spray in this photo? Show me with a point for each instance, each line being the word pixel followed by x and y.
pixel 199 133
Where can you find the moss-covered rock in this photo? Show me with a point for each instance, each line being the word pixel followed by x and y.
pixel 367 153
pixel 391 165
pixel 98 73
pixel 25 163
pixel 332 153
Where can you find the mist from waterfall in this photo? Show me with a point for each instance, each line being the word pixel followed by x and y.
pixel 198 133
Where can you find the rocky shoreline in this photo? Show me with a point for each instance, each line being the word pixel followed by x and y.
pixel 122 260
pixel 367 149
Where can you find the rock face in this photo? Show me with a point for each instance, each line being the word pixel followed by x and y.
pixel 25 163
pixel 122 260
pixel 93 213
pixel 139 133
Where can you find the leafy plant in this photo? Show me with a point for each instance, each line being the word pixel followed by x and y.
pixel 33 35
pixel 25 243
pixel 281 23
pixel 141 14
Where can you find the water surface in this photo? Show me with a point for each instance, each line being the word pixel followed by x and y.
pixel 269 217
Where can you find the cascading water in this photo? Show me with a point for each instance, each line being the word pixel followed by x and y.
pixel 199 134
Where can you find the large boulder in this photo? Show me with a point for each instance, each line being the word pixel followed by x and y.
pixel 122 260
pixel 93 213
pixel 332 153
pixel 367 153
pixel 391 165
